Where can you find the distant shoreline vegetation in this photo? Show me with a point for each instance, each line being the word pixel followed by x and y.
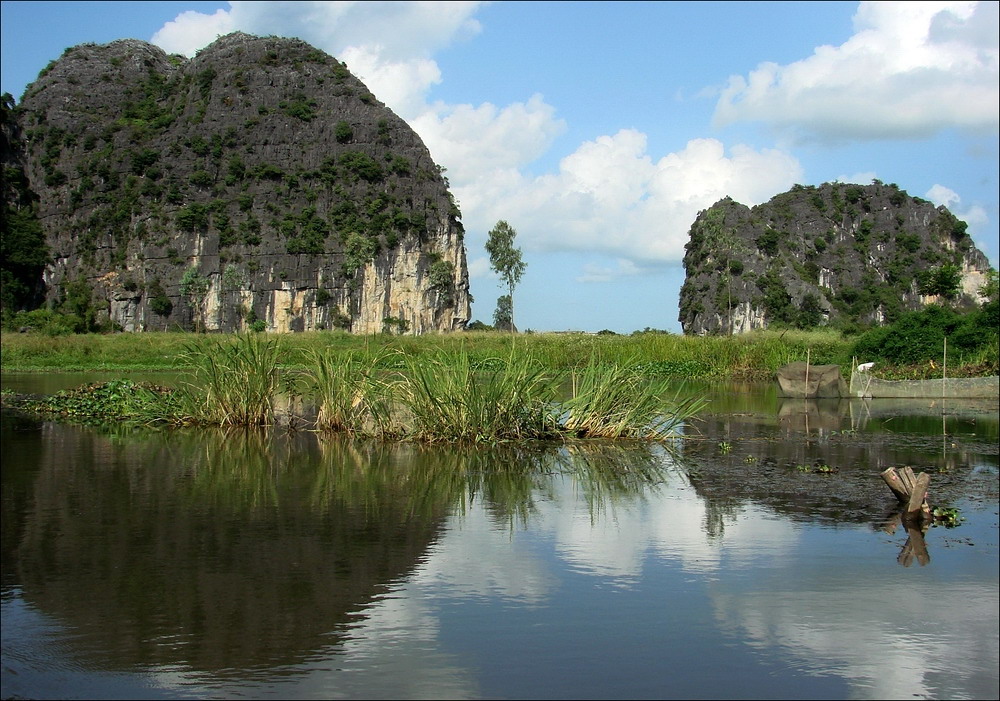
pixel 912 348
pixel 481 386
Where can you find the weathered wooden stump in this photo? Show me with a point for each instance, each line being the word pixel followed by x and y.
pixel 909 489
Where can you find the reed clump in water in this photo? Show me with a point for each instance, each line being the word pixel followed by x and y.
pixel 446 396
pixel 234 382
pixel 447 399
pixel 619 401
pixel 350 391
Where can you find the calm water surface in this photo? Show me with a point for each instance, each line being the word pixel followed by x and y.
pixel 287 565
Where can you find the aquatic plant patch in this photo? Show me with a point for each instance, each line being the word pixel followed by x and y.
pixel 351 392
pixel 621 402
pixel 114 401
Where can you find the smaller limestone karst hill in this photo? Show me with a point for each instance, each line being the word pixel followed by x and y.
pixel 259 183
pixel 834 254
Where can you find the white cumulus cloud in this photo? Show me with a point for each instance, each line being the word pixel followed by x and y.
pixel 910 70
pixel 941 195
pixel 611 196
pixel 471 141
pixel 191 31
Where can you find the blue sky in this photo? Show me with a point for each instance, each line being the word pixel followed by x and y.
pixel 599 130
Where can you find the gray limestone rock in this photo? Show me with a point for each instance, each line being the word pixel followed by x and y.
pixel 837 253
pixel 258 184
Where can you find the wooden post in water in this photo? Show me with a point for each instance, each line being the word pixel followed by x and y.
pixel 896 484
pixel 944 371
pixel 909 489
pixel 808 351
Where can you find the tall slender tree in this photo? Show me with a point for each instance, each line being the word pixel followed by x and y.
pixel 505 259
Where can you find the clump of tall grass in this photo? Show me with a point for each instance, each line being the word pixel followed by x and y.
pixel 516 399
pixel 620 401
pixel 349 390
pixel 447 399
pixel 234 381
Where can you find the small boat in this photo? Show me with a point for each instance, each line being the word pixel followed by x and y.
pixel 804 381
pixel 864 385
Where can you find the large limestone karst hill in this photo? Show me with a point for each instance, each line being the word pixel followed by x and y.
pixel 838 253
pixel 257 184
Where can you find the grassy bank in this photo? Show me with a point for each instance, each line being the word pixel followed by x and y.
pixel 752 357
pixel 441 397
pixel 478 387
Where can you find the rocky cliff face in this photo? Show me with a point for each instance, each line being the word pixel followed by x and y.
pixel 259 183
pixel 846 254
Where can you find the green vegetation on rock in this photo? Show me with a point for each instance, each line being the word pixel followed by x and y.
pixel 847 256
pixel 126 160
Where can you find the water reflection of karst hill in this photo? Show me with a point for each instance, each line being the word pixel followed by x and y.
pixel 227 551
pixel 231 550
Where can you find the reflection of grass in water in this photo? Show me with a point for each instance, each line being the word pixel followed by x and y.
pixel 508 479
pixel 261 472
pixel 612 474
pixel 424 480
pixel 361 472
pixel 235 467
pixel 254 470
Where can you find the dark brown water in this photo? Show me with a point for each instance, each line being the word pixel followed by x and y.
pixel 287 565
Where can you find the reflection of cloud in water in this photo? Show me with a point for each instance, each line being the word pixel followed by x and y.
pixel 672 527
pixel 890 642
pixel 611 541
pixel 885 641
pixel 750 534
pixel 396 644
pixel 612 545
pixel 479 558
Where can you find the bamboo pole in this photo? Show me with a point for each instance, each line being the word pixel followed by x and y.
pixel 808 351
pixel 944 370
